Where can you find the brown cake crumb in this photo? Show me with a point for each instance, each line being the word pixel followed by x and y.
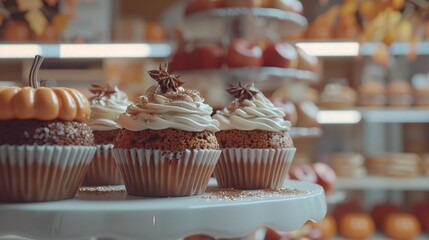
pixel 38 132
pixel 166 139
pixel 105 137
pixel 254 139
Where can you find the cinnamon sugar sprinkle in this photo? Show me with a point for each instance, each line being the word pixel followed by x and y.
pixel 102 190
pixel 231 194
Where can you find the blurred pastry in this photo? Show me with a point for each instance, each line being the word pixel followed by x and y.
pixel 349 164
pixel 402 165
pixel 337 95
pixel 424 164
pixel 421 96
pixel 297 93
pixel 288 108
pixel 372 94
pixel 306 61
pixel 307 114
pixel 311 94
pixel 399 94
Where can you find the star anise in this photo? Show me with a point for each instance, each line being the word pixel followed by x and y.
pixel 101 91
pixel 167 81
pixel 247 91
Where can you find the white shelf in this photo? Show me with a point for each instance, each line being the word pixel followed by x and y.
pixel 86 50
pixel 383 183
pixel 374 115
pixel 115 214
pixel 352 49
pixel 336 197
pixel 300 132
pixel 396 115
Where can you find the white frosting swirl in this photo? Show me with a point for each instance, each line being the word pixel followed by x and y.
pixel 105 110
pixel 182 109
pixel 258 113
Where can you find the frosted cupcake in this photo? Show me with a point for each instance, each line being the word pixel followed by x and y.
pixel 45 143
pixel 106 106
pixel 167 146
pixel 256 147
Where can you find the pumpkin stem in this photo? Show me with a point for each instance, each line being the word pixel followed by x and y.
pixel 34 71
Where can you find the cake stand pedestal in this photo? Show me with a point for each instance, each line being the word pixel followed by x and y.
pixel 110 212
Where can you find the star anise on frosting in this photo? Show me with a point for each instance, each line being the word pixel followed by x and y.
pixel 241 92
pixel 101 91
pixel 167 82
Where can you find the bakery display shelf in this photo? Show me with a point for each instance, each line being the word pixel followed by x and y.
pixel 374 115
pixel 113 213
pixel 86 50
pixel 265 78
pixel 268 19
pixel 381 236
pixel 336 197
pixel 302 132
pixel 353 49
pixel 383 183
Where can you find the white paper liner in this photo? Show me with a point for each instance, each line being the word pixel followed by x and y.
pixel 250 168
pixel 31 173
pixel 103 169
pixel 157 173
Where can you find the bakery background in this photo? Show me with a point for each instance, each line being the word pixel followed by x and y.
pixel 359 107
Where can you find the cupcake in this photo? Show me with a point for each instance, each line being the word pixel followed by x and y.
pixel 45 144
pixel 372 94
pixel 400 94
pixel 167 146
pixel 106 106
pixel 257 149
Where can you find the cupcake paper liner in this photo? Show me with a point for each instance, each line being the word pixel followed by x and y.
pixel 103 169
pixel 246 168
pixel 31 173
pixel 156 173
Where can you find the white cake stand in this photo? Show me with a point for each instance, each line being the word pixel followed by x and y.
pixel 115 214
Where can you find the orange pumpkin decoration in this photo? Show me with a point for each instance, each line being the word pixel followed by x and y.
pixel 381 211
pixel 342 209
pixel 328 227
pixel 401 226
pixel 357 226
pixel 43 103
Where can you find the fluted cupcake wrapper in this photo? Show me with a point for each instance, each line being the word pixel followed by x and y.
pixel 156 173
pixel 31 173
pixel 249 168
pixel 103 169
